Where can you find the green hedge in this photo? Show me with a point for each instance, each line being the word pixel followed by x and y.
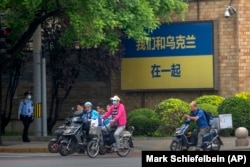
pixel 243 95
pixel 145 121
pixel 209 103
pixel 209 107
pixel 210 99
pixel 170 112
pixel 240 110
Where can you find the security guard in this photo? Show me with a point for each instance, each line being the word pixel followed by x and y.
pixel 25 114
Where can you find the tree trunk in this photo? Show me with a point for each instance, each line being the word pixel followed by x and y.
pixel 58 107
pixel 13 82
pixel 1 143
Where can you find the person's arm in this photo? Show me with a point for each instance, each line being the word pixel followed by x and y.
pixel 32 109
pixel 108 113
pixel 19 109
pixel 195 118
pixel 95 114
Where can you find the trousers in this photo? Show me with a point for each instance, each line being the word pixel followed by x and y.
pixel 26 124
pixel 201 133
pixel 117 133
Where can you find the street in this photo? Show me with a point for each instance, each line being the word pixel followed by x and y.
pixel 75 160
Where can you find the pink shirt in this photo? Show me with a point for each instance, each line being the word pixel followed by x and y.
pixel 121 117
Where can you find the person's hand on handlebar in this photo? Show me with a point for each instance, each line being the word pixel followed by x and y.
pixel 111 121
pixel 186 116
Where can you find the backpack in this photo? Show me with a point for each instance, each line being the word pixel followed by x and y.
pixel 209 118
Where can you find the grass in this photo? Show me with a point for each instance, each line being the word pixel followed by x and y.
pixel 12 134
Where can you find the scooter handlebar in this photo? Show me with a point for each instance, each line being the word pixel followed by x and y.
pixel 187 121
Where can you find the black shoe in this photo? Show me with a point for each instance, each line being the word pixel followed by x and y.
pixel 197 149
pixel 26 139
pixel 82 151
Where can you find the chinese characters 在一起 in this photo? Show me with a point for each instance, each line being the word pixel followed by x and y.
pixel 175 70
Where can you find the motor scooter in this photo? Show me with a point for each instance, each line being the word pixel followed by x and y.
pixel 53 145
pixel 185 138
pixel 103 142
pixel 74 136
pixel 58 133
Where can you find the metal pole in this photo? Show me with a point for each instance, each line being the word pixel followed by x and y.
pixel 37 81
pixel 44 94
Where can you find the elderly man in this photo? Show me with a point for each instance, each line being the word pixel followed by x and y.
pixel 89 115
pixel 199 117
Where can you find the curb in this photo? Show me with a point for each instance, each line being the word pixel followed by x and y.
pixel 24 150
pixel 45 150
pixel 15 145
pixel 37 150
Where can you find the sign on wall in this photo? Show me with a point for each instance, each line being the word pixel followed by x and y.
pixel 176 56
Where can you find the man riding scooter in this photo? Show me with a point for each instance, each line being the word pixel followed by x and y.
pixel 199 117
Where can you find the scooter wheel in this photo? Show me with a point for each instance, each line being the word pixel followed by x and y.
pixel 93 148
pixel 218 145
pixel 53 147
pixel 124 151
pixel 175 146
pixel 63 149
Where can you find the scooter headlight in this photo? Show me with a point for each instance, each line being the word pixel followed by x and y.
pixel 178 131
pixel 67 131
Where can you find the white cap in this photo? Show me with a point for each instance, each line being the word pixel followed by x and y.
pixel 115 98
pixel 88 103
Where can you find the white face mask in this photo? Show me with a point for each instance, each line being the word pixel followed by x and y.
pixel 114 102
pixel 29 97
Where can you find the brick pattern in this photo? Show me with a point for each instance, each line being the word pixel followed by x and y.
pixel 243 42
pixel 233 54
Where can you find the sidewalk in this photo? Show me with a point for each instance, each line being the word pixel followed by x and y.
pixel 14 144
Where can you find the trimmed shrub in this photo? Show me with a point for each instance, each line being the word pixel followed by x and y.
pixel 145 121
pixel 240 110
pixel 209 107
pixel 210 99
pixel 244 95
pixel 171 114
pixel 209 103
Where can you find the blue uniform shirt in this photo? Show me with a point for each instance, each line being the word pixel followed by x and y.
pixel 26 108
pixel 202 121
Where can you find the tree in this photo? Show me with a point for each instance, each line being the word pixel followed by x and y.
pixel 66 63
pixel 90 23
pixel 13 72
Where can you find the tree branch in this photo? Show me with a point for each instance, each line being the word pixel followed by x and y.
pixel 18 47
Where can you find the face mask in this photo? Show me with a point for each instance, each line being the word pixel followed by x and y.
pixel 114 102
pixel 29 97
